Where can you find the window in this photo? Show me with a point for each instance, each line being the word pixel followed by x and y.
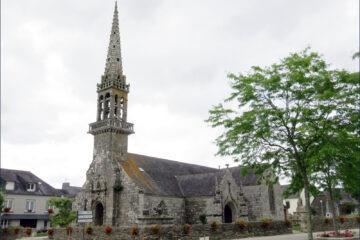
pixel 31 187
pixel 4 223
pixel 49 206
pixel 271 198
pixel 287 204
pixel 9 203
pixel 10 186
pixel 30 205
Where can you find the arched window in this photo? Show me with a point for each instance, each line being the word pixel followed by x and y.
pixel 85 204
pixel 101 107
pixel 271 199
pixel 116 99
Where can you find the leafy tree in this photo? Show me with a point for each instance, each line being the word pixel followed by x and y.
pixel 2 199
pixel 277 115
pixel 64 215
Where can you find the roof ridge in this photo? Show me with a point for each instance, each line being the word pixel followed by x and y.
pixel 14 170
pixel 195 174
pixel 169 160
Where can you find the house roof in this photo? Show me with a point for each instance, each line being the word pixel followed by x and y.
pixel 22 178
pixel 343 197
pixel 171 178
pixel 69 191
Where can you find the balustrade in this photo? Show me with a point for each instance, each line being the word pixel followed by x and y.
pixel 111 124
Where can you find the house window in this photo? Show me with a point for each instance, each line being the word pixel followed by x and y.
pixel 30 206
pixel 4 223
pixel 31 187
pixel 9 203
pixel 10 186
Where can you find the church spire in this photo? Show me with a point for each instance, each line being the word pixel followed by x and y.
pixel 113 65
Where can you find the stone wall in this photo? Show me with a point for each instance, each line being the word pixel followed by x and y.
pixel 259 204
pixel 223 231
pixel 320 224
pixel 196 206
pixel 161 210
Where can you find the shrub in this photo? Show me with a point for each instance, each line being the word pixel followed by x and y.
pixel 357 219
pixel 50 232
pixel 342 219
pixel 16 230
pixel 203 219
pixel 134 230
pixel 186 229
pixel 107 230
pixel 69 230
pixel 326 220
pixel 266 222
pixel 28 231
pixel 5 231
pixel 214 226
pixel 155 229
pixel 241 224
pixel 89 230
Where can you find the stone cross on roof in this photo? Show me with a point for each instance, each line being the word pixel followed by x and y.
pixel 113 65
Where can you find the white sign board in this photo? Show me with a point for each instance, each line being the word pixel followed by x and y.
pixel 84 217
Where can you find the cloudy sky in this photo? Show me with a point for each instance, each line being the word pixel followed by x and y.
pixel 176 55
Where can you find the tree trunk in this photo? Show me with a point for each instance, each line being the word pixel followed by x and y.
pixel 307 207
pixel 333 210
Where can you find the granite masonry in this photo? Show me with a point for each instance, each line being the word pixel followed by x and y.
pixel 124 188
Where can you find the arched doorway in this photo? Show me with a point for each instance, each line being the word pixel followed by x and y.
pixel 228 214
pixel 99 214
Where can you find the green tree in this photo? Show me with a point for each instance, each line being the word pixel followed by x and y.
pixel 277 115
pixel 2 199
pixel 64 215
pixel 349 168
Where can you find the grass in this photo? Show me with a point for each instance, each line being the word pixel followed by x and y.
pixel 296 227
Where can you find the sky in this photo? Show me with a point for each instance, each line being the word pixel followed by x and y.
pixel 176 56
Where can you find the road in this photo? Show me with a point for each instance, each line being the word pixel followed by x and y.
pixel 294 236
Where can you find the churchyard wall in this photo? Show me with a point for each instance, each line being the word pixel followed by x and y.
pixel 325 224
pixel 221 231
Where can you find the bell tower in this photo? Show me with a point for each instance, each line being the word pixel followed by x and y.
pixel 111 118
pixel 110 131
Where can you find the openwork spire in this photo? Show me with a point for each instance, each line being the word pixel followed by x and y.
pixel 113 67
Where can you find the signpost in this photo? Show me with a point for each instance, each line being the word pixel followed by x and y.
pixel 84 217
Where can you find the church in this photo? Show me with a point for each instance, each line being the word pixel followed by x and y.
pixel 125 188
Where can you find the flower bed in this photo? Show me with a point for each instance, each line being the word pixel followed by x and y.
pixel 347 234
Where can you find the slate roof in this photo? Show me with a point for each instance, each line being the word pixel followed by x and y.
pixel 69 191
pixel 22 178
pixel 171 178
pixel 204 184
pixel 325 196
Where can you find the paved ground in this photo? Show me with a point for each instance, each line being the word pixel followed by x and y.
pixel 294 236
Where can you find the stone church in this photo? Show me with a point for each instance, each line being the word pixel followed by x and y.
pixel 124 188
